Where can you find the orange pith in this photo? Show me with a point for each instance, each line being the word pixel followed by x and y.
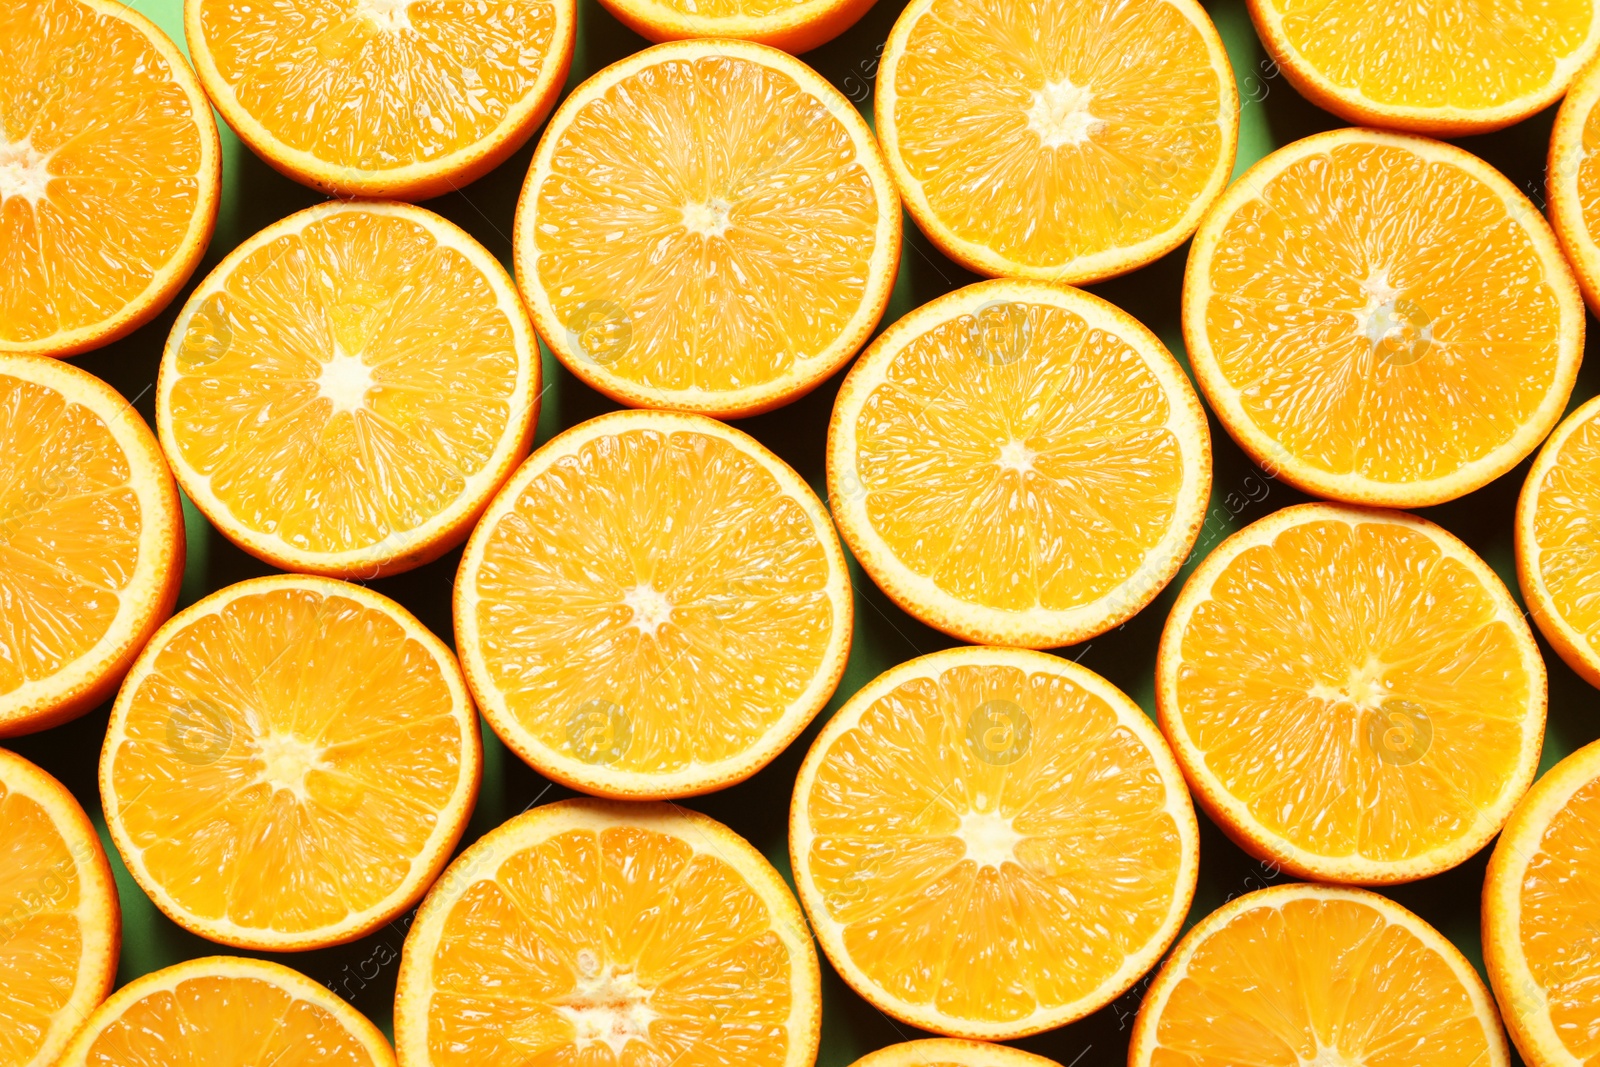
pixel 1382 319
pixel 793 25
pixel 654 606
pixel 1306 976
pixel 1352 693
pixel 109 173
pixel 604 934
pixel 344 393
pixel 1019 463
pixel 59 920
pixel 979 783
pixel 707 226
pixel 290 763
pixel 382 97
pixel 1110 128
pixel 1572 180
pixel 91 541
pixel 227 1012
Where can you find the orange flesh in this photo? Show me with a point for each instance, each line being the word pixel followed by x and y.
pixel 1020 443
pixel 1317 982
pixel 617 947
pixel 1382 316
pixel 69 531
pixel 1560 896
pixel 99 167
pixel 1588 176
pixel 1567 532
pixel 1100 123
pixel 379 84
pixel 286 760
pixel 225 1022
pixel 1304 640
pixel 730 8
pixel 1094 857
pixel 344 383
pixel 649 573
pixel 707 223
pixel 41 941
pixel 1440 53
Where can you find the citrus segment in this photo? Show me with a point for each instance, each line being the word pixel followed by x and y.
pixel 109 174
pixel 91 541
pixel 1572 180
pixel 654 606
pixel 950 1052
pixel 792 25
pixel 393 98
pixel 1351 693
pixel 992 842
pixel 60 924
pixel 1307 976
pixel 1539 901
pixel 343 394
pixel 1110 129
pixel 707 226
pixel 602 934
pixel 227 1012
pixel 1445 67
pixel 290 763
pixel 1019 463
pixel 1381 319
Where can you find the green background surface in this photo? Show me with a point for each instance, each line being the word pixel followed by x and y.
pixel 364 972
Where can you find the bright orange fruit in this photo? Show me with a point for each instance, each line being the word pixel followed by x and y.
pixel 951 1052
pixel 792 25
pixel 1572 179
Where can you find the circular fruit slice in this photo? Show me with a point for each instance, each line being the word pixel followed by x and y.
pixel 91 541
pixel 290 763
pixel 1381 319
pixel 1558 540
pixel 1539 902
pixel 60 924
pixel 1445 67
pixel 992 842
pixel 792 25
pixel 1019 463
pixel 655 606
pixel 1109 129
pixel 344 393
pixel 707 226
pixel 226 1010
pixel 1572 179
pixel 1312 975
pixel 595 932
pixel 1352 694
pixel 109 174
pixel 949 1052
pixel 382 97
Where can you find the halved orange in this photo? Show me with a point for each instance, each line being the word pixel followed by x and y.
pixel 1558 540
pixel 382 97
pixel 992 842
pixel 91 541
pixel 344 393
pixel 1444 67
pixel 792 25
pixel 1316 976
pixel 1069 142
pixel 1539 904
pixel 109 174
pixel 1019 463
pixel 654 606
pixel 224 1011
pixel 1572 180
pixel 951 1052
pixel 707 226
pixel 598 933
pixel 290 763
pixel 1352 694
pixel 1381 319
pixel 60 924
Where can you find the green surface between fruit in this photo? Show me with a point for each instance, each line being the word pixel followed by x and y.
pixel 1272 114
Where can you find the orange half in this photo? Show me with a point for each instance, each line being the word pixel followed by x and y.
pixel 1572 180
pixel 290 763
pixel 792 25
pixel 951 1052
pixel 109 174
